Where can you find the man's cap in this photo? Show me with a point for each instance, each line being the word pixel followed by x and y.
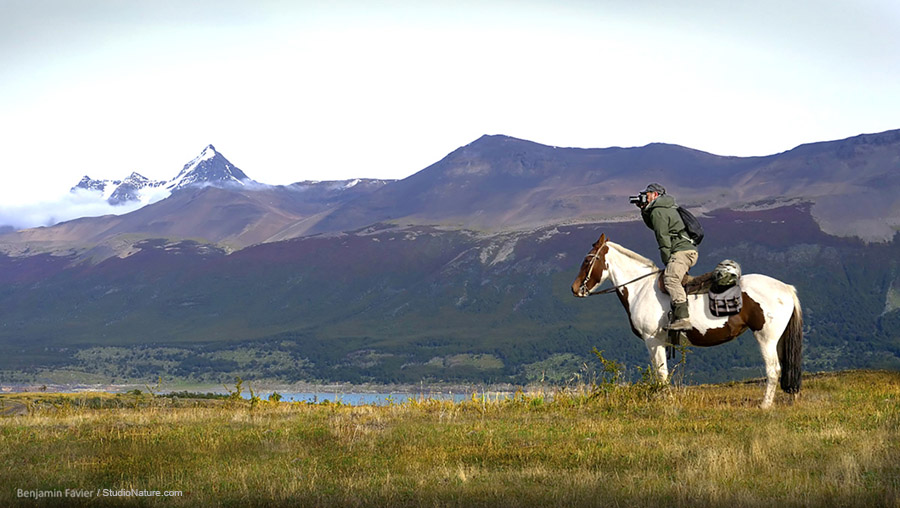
pixel 655 187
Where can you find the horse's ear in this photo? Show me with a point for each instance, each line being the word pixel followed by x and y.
pixel 601 240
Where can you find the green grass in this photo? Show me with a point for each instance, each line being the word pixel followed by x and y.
pixel 612 445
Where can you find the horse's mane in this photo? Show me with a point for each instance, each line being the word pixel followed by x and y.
pixel 632 254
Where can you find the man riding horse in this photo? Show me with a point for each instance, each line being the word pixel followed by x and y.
pixel 678 252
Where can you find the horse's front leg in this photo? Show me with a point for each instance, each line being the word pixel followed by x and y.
pixel 657 348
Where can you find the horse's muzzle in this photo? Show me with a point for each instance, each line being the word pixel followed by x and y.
pixel 580 291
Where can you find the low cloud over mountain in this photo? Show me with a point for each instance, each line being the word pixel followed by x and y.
pixel 72 205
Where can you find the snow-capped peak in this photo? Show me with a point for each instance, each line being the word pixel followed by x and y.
pixel 208 168
pixel 115 192
pixel 208 153
pixel 88 183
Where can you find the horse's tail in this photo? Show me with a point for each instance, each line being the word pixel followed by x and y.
pixel 790 349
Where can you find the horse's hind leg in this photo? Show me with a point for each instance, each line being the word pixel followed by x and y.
pixel 768 346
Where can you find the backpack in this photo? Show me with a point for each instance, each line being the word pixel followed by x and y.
pixel 691 225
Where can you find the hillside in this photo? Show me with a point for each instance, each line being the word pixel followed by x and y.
pixel 387 304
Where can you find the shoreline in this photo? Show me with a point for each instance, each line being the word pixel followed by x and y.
pixel 266 387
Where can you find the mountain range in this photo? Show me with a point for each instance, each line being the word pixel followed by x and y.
pixel 458 272
pixel 496 183
pixel 209 199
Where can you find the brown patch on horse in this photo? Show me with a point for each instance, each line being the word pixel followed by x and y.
pixel 751 316
pixel 622 293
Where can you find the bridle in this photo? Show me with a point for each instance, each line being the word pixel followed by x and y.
pixel 584 289
pixel 606 291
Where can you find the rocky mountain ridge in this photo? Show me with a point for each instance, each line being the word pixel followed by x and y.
pixel 119 192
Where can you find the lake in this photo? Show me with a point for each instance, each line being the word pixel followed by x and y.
pixel 368 399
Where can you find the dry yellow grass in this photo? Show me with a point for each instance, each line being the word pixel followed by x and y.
pixel 630 445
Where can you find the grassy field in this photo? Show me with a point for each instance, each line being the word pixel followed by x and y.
pixel 613 445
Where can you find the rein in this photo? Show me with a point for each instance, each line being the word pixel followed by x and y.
pixel 587 277
pixel 620 286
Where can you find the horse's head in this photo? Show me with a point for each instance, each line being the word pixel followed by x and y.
pixel 594 270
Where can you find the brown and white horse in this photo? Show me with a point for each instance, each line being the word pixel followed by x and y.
pixel 771 310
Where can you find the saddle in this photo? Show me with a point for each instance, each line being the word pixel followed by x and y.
pixel 722 285
pixel 692 285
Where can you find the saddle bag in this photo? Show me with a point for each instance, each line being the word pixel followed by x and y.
pixel 725 294
pixel 726 303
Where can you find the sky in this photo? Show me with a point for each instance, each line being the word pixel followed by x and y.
pixel 329 90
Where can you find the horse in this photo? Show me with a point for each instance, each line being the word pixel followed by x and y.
pixel 770 309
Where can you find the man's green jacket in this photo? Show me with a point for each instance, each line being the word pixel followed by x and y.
pixel 661 216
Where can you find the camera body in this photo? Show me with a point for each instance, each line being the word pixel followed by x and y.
pixel 639 200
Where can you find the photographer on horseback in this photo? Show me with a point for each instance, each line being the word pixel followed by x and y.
pixel 678 252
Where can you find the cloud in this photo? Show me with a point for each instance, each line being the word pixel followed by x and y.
pixel 72 205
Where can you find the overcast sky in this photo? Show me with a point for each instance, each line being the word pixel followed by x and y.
pixel 297 90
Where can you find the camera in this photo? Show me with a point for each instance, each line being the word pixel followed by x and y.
pixel 639 200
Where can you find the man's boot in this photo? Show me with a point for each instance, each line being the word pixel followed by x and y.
pixel 680 319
